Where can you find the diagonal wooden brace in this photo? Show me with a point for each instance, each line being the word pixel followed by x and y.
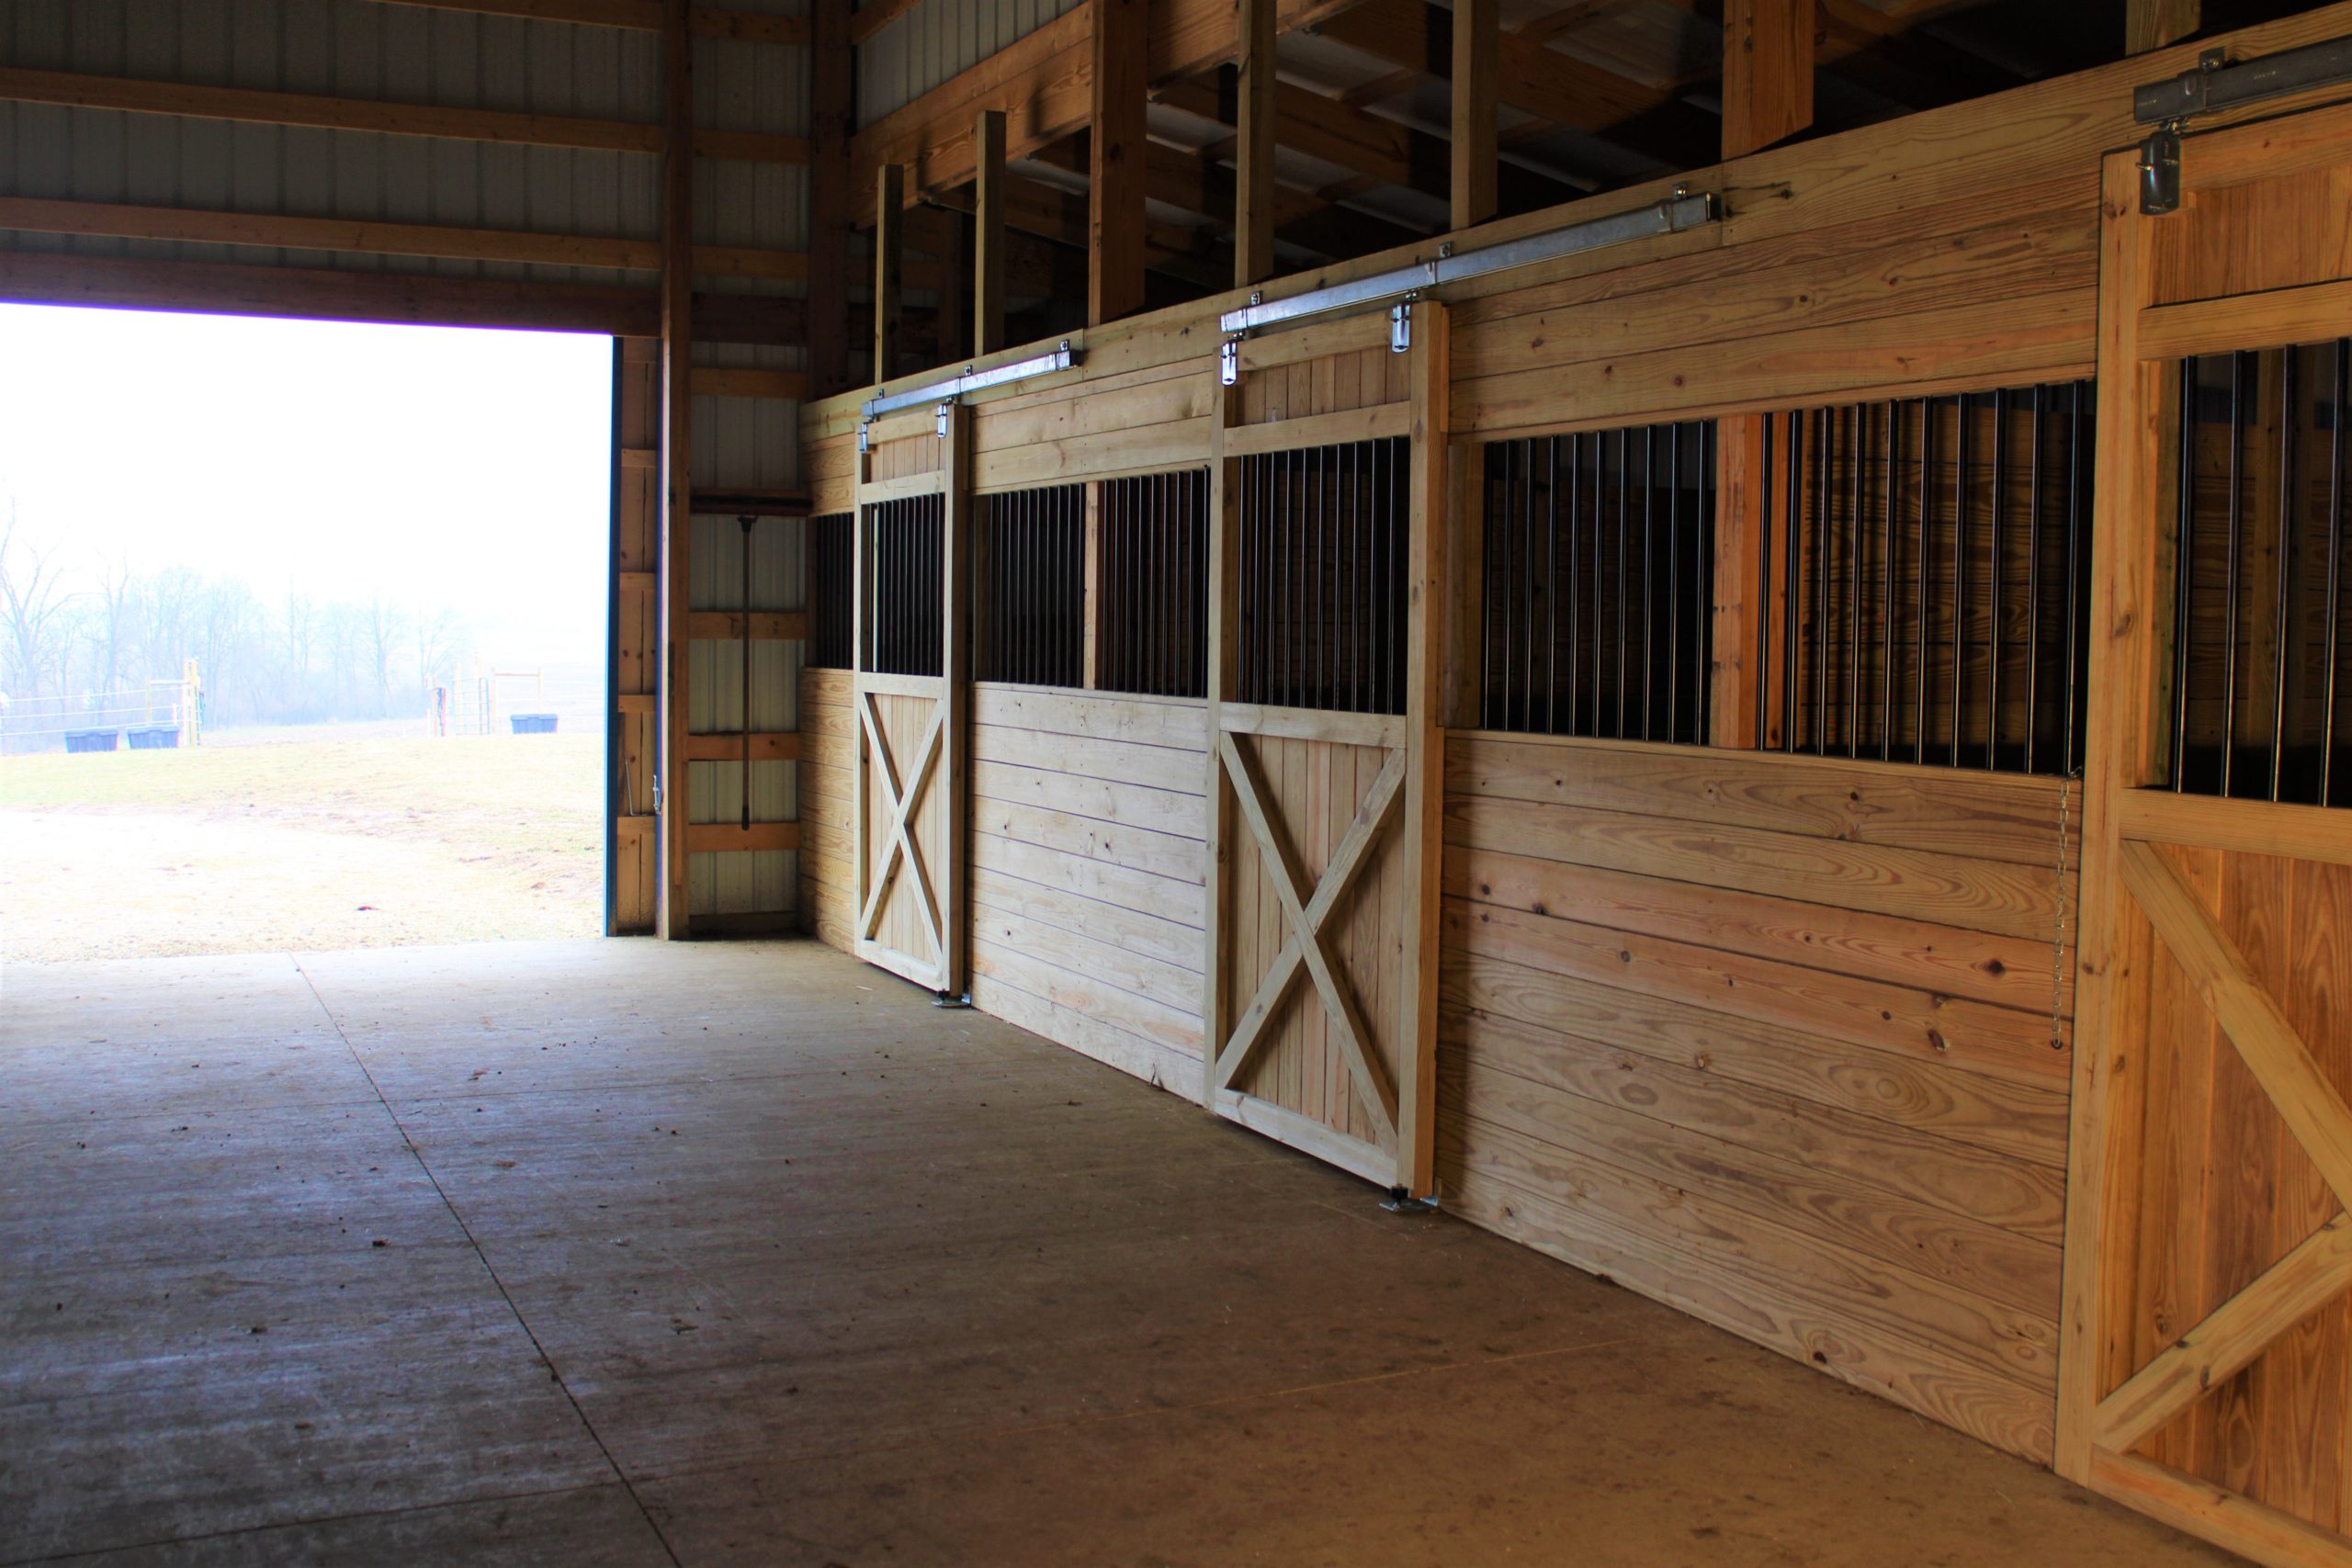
pixel 902 807
pixel 1304 947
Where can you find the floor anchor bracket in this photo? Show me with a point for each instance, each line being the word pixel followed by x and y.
pixel 1401 1202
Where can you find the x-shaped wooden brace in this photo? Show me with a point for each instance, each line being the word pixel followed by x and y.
pixel 900 840
pixel 1307 917
pixel 2320 1267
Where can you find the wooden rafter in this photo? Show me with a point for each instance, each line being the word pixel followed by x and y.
pixel 276 231
pixel 253 107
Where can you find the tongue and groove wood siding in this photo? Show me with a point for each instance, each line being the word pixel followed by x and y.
pixel 1088 838
pixel 1771 1038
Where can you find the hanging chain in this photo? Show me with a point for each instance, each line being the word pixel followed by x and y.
pixel 2058 931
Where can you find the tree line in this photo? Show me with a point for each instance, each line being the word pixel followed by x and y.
pixel 69 637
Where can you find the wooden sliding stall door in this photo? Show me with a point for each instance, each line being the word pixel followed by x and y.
pixel 633 658
pixel 910 694
pixel 2207 1371
pixel 1328 473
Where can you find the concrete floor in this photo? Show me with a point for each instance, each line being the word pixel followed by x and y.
pixel 613 1253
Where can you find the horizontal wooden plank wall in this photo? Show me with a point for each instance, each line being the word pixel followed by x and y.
pixel 1087 844
pixel 1783 1042
pixel 1772 1039
pixel 828 799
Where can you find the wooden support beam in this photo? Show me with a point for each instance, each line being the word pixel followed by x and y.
pixel 1476 42
pixel 872 16
pixel 889 264
pixel 718 838
pixel 832 188
pixel 278 232
pixel 1256 106
pixel 1767 72
pixel 670 919
pixel 760 746
pixel 326 294
pixel 988 232
pixel 2151 24
pixel 1740 601
pixel 1116 143
pixel 254 107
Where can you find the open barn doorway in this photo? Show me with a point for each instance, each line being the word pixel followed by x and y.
pixel 303 634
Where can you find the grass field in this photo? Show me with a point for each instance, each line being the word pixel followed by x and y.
pixel 331 840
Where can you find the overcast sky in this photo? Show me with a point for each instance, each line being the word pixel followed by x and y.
pixel 466 468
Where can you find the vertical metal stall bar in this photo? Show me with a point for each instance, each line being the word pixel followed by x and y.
pixel 1994 566
pixel 1570 586
pixel 1764 611
pixel 2236 544
pixel 1326 577
pixel 1919 646
pixel 1792 598
pixel 1494 456
pixel 1525 560
pixel 1857 432
pixel 2077 583
pixel 2184 563
pixel 1703 636
pixel 2282 618
pixel 2033 586
pixel 1893 415
pixel 1547 519
pixel 1824 489
pixel 1624 501
pixel 1647 595
pixel 2335 528
pixel 1958 580
pixel 1673 588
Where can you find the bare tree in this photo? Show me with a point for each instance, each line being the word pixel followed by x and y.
pixel 382 623
pixel 33 599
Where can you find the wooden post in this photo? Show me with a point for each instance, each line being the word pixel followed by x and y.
pixel 956 664
pixel 889 266
pixel 1253 187
pixel 1115 159
pixel 1767 97
pixel 1223 645
pixel 830 68
pixel 1426 601
pixel 1741 606
pixel 677 448
pixel 1476 43
pixel 2151 24
pixel 1768 72
pixel 988 233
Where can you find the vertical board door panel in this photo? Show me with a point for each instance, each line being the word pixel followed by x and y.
pixel 2206 1372
pixel 632 750
pixel 909 710
pixel 1323 759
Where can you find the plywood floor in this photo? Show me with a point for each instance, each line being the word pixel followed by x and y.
pixel 613 1253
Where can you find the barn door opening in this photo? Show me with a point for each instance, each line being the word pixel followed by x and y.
pixel 910 691
pixel 2209 1365
pixel 1328 467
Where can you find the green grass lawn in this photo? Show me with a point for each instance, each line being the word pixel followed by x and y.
pixel 301 844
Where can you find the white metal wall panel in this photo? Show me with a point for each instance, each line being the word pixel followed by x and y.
pixel 936 40
pixel 348 47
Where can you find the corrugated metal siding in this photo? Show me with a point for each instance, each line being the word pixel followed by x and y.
pixel 737 882
pixel 348 47
pixel 937 38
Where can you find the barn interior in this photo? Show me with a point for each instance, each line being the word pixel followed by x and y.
pixel 1548 780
